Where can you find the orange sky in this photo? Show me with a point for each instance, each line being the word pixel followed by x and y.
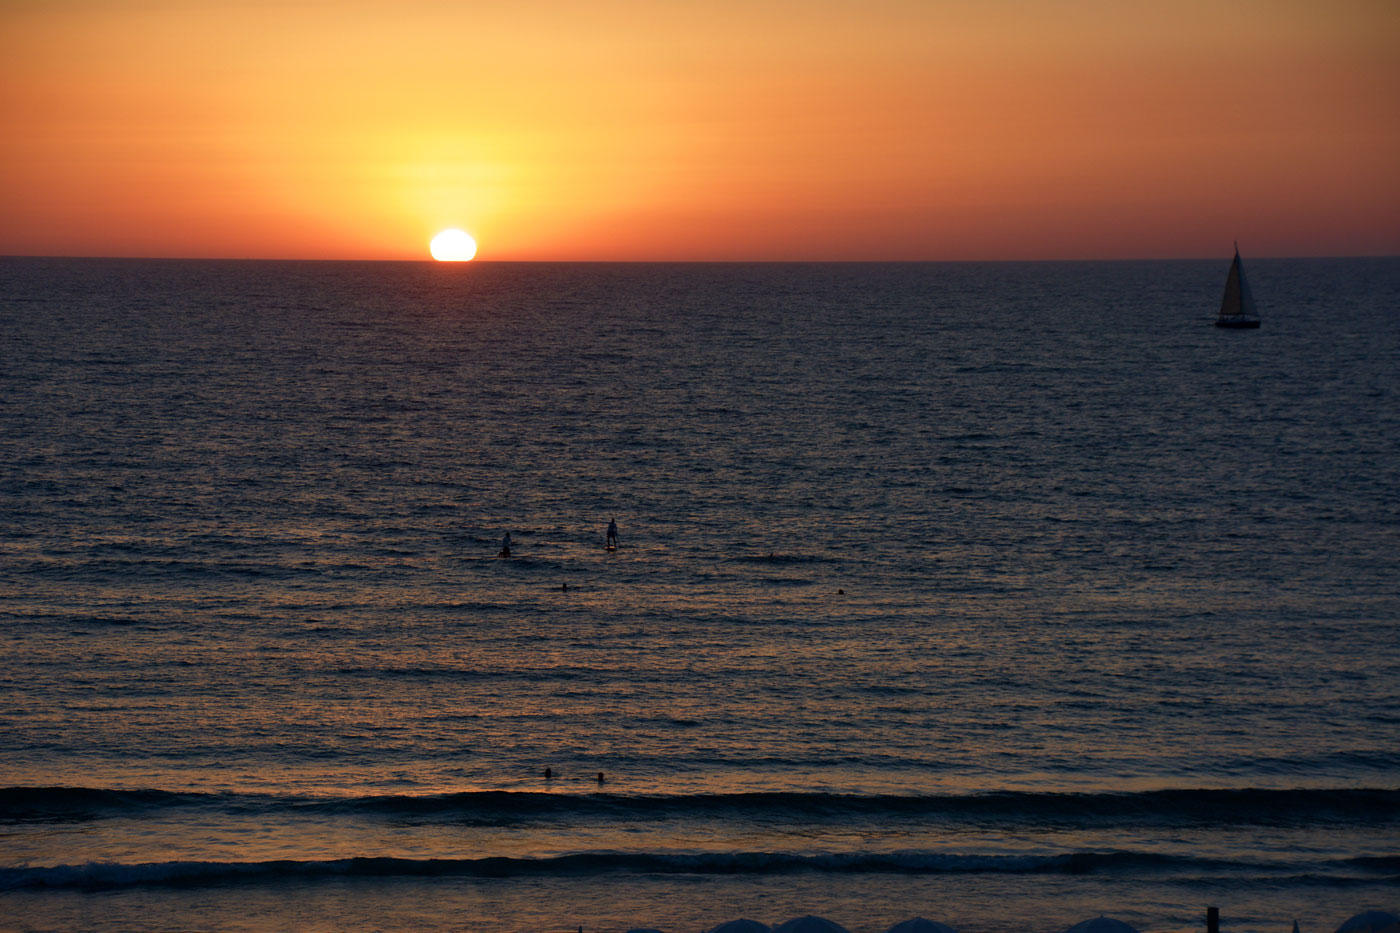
pixel 731 129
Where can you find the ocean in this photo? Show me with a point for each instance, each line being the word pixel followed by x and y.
pixel 1003 594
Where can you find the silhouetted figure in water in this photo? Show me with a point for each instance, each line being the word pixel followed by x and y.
pixel 600 778
pixel 505 546
pixel 612 533
pixel 548 774
pixel 564 588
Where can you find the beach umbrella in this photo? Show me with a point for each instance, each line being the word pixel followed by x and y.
pixel 1101 925
pixel 741 926
pixel 920 925
pixel 1373 921
pixel 810 924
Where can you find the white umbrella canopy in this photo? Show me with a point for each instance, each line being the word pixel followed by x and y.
pixel 1101 925
pixel 810 924
pixel 741 926
pixel 1373 921
pixel 920 925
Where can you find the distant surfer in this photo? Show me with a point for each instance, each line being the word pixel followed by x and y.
pixel 612 534
pixel 505 546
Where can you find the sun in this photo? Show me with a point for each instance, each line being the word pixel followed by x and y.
pixel 452 246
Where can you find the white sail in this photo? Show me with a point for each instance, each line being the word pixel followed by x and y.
pixel 1237 305
pixel 1246 296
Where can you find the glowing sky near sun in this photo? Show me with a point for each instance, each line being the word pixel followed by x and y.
pixel 630 129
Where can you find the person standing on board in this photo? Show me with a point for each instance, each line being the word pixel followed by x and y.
pixel 612 533
pixel 505 546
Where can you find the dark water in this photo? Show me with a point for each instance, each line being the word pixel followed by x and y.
pixel 1007 595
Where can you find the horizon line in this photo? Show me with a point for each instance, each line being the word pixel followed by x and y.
pixel 696 262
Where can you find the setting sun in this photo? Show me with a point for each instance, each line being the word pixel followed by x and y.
pixel 452 246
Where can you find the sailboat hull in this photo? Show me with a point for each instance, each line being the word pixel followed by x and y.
pixel 1239 324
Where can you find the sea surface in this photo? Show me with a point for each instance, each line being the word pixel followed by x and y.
pixel 1007 595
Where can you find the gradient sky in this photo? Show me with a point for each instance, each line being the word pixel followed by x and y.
pixel 647 129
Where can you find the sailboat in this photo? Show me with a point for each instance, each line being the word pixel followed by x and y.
pixel 1237 307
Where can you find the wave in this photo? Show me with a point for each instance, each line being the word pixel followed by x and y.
pixel 1228 807
pixel 775 558
pixel 75 803
pixel 117 875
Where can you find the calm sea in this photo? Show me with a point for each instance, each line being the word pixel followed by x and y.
pixel 1002 594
